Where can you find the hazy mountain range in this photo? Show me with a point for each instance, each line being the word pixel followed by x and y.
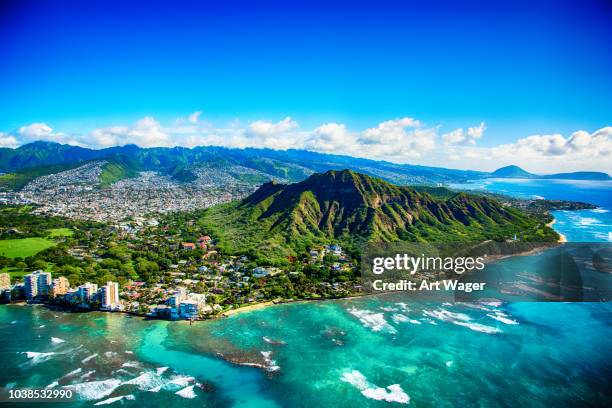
pixel 35 159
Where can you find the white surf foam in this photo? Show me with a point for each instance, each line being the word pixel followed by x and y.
pixel 86 359
pixel 52 385
pixel 460 319
pixel 181 380
pixel 132 364
pixel 502 317
pixel 87 374
pixel 270 364
pixel 94 390
pixel 57 340
pixel 187 392
pixel 392 393
pixel 37 357
pixel 161 370
pixel 374 321
pixel 145 381
pixel 115 399
pixel 73 372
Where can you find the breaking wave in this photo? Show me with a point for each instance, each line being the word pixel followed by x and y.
pixel 391 393
pixel 374 321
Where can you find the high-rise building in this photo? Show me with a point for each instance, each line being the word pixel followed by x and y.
pixel 30 286
pixel 59 287
pixel 44 282
pixel 5 281
pixel 109 295
pixel 37 284
pixel 87 291
pixel 188 309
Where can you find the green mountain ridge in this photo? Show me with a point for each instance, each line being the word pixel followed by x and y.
pixel 354 209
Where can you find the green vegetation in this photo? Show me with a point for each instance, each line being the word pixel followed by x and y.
pixel 353 209
pixel 116 170
pixel 24 247
pixel 60 232
pixel 16 181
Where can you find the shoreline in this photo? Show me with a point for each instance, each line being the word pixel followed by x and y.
pixel 562 238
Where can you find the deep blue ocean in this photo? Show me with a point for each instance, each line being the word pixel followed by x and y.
pixel 372 351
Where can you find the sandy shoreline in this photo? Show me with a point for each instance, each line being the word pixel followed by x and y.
pixel 562 238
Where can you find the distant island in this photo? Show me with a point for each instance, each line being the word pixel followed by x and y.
pixel 517 172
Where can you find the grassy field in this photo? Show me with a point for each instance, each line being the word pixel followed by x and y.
pixel 13 248
pixel 60 232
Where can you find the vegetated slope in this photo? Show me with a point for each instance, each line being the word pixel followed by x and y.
pixel 17 180
pixel 353 209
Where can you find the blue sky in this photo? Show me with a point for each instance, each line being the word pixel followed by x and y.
pixel 523 68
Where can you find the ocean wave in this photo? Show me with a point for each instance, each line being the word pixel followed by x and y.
pixel 401 318
pixel 187 392
pixel 73 372
pixel 600 210
pixel 95 390
pixel 161 370
pixel 273 342
pixel 57 340
pixel 87 374
pixel 52 385
pixel 270 365
pixel 392 393
pixel 146 381
pixel 115 399
pixel 502 317
pixel 460 319
pixel 374 321
pixel 588 221
pixel 181 380
pixel 37 357
pixel 86 359
pixel 403 306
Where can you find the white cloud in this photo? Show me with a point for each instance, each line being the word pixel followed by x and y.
pixel 461 137
pixel 194 117
pixel 401 140
pixel 7 140
pixel 265 128
pixel 329 137
pixel 147 132
pixel 38 131
pixel 42 131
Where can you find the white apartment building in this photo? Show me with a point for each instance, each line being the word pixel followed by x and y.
pixel 109 296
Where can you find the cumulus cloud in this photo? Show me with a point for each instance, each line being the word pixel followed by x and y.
pixel 7 140
pixel 194 117
pixel 461 137
pixel 42 131
pixel 265 128
pixel 578 144
pixel 401 140
pixel 147 132
pixel 329 137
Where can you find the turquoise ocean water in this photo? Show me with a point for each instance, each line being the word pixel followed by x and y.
pixel 374 351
